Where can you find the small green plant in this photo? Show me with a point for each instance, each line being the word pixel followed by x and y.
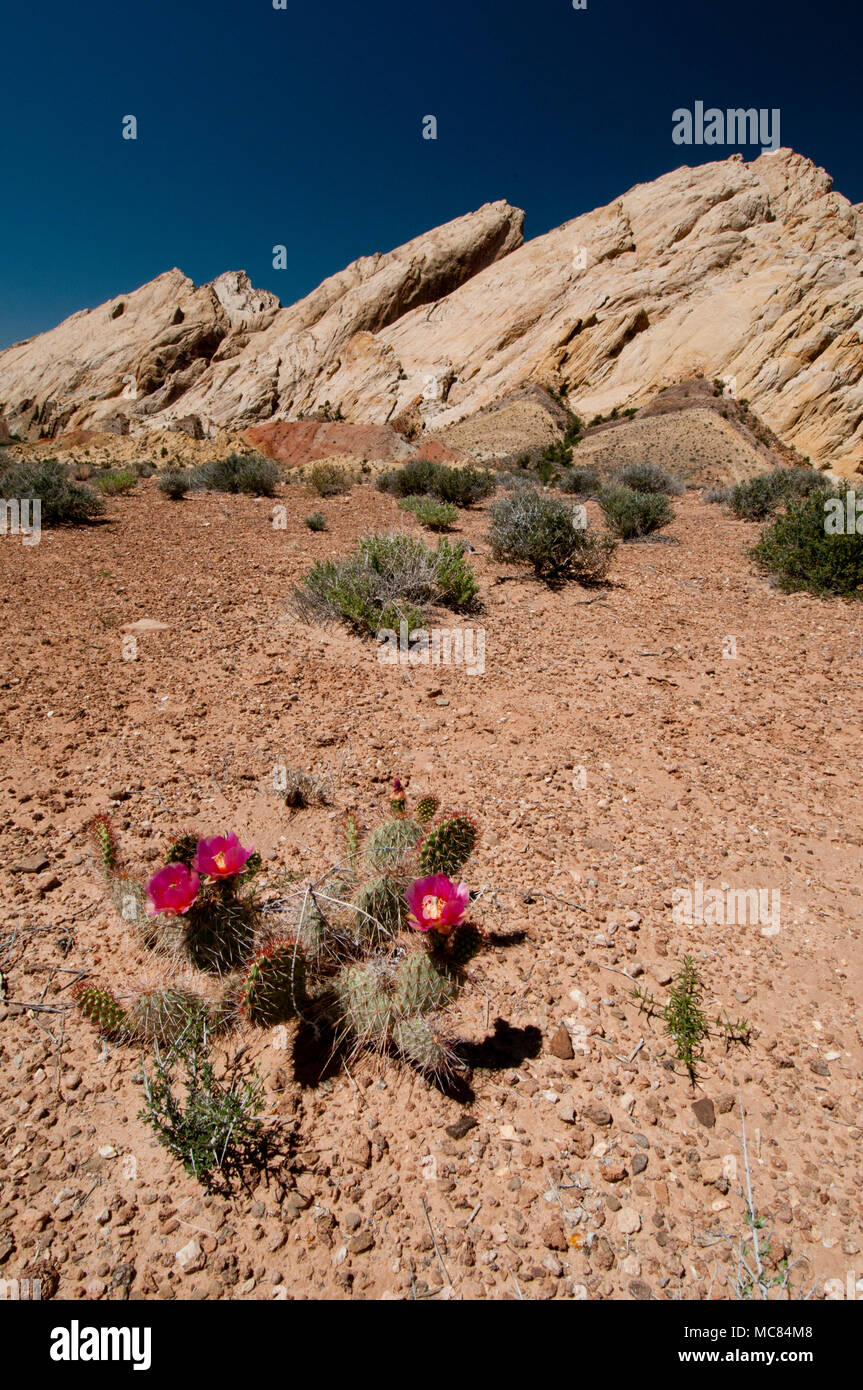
pixel 801 553
pixel 388 579
pixel 316 521
pixel 214 1130
pixel 174 483
pixel 684 1017
pixel 258 477
pixel 579 482
pixel 632 514
pixel 329 479
pixel 533 528
pixel 115 483
pixel 437 516
pixel 63 502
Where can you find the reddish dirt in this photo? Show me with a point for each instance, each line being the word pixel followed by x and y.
pixel 293 442
pixel 584 1177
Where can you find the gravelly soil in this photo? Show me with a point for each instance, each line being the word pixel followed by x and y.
pixel 584 1177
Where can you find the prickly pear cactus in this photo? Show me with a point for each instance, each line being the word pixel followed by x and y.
pixel 415 1039
pixel 389 843
pixel 165 1016
pixel 448 846
pixel 426 809
pixel 182 850
pixel 275 986
pixel 365 1007
pixel 464 942
pixel 381 910
pixel 423 985
pixel 101 1008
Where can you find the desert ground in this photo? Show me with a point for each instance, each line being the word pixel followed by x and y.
pixel 684 724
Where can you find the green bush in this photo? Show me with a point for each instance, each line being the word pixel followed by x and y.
pixel 541 531
pixel 63 501
pixel 423 478
pixel 316 521
pixel 249 473
pixel 174 483
pixel 329 479
pixel 759 497
pixel 646 477
pixel 579 482
pixel 630 514
pixel 800 552
pixel 115 483
pixel 437 516
pixel 387 579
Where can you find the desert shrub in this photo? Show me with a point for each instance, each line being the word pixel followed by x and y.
pixel 387 579
pixel 630 514
pixel 115 483
pixel 329 479
pixel 718 494
pixel 174 483
pixel 579 482
pixel 647 477
pixel 142 468
pixel 249 473
pixel 416 478
pixel 437 516
pixel 316 521
pixel 423 478
pixel 63 501
pixel 759 497
pixel 541 531
pixel 801 552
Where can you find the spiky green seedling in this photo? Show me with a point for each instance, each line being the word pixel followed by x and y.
pixel 447 848
pixel 390 842
pixel 365 1007
pixel 423 984
pixel 415 1039
pixel 103 836
pixel 426 809
pixel 381 910
pixel 182 850
pixel 275 985
pixel 465 942
pixel 164 1016
pixel 101 1008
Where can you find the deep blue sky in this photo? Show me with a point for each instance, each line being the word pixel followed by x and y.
pixel 302 126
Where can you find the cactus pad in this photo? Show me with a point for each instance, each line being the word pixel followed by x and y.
pixel 447 848
pixel 101 1008
pixel 275 986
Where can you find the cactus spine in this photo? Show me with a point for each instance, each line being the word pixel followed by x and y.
pixel 426 809
pixel 390 843
pixel 101 1008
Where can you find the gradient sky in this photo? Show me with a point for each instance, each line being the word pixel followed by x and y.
pixel 302 126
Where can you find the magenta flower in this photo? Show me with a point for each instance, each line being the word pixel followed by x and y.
pixel 436 903
pixel 221 856
pixel 172 890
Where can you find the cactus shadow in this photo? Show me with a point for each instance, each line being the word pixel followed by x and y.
pixel 316 1054
pixel 506 1046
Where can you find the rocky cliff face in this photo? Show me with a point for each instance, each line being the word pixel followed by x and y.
pixel 746 271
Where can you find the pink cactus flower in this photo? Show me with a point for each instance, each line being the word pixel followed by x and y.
pixel 221 856
pixel 437 904
pixel 172 890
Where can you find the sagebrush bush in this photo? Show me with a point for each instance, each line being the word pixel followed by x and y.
pixel 316 521
pixel 422 478
pixel 174 483
pixel 579 482
pixel 437 516
pixel 63 501
pixel 115 483
pixel 801 551
pixel 631 514
pixel 329 479
pixel 759 497
pixel 388 578
pixel 647 477
pixel 249 473
pixel 535 529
